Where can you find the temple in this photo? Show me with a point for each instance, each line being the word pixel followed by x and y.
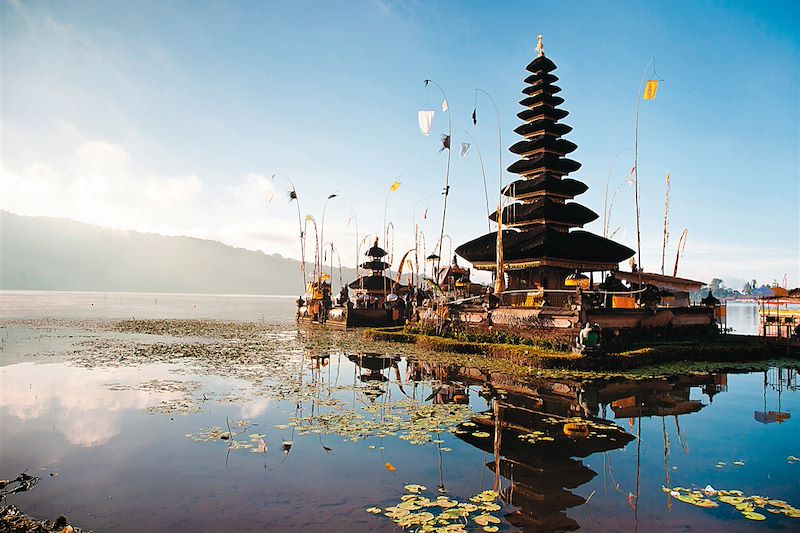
pixel 376 284
pixel 542 246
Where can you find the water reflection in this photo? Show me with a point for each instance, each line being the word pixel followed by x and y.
pixel 778 380
pixel 334 433
pixel 538 431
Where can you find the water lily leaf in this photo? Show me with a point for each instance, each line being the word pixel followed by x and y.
pixel 707 504
pixel 490 529
pixel 480 434
pixel 750 515
pixel 410 505
pixel 413 488
pixel 486 519
pixel 374 510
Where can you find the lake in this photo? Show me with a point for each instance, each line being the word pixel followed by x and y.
pixel 135 419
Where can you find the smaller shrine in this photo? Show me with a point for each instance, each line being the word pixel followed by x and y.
pixel 373 290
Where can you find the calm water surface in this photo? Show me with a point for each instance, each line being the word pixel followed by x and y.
pixel 125 436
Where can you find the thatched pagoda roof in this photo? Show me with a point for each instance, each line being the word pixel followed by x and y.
pixel 545 112
pixel 543 163
pixel 376 251
pixel 541 79
pixel 546 142
pixel 548 127
pixel 541 64
pixel 373 283
pixel 542 99
pixel 549 89
pixel 543 242
pixel 546 210
pixel 375 265
pixel 545 183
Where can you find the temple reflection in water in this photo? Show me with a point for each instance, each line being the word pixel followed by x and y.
pixel 540 430
pixel 537 431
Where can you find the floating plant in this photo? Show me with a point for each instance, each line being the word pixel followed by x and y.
pixel 442 514
pixel 748 506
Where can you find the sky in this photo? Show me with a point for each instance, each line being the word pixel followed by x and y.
pixel 172 117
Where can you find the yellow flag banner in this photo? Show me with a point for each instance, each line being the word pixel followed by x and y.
pixel 395 186
pixel 650 90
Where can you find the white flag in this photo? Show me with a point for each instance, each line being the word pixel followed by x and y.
pixel 464 149
pixel 444 105
pixel 425 121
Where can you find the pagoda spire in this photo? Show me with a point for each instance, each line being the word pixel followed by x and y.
pixel 541 216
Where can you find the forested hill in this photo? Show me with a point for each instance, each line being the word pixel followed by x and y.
pixel 39 253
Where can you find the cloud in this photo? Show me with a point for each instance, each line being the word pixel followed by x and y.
pixel 100 187
pixel 254 192
pixel 88 414
pixel 97 183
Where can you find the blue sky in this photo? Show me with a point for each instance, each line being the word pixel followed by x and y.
pixel 172 116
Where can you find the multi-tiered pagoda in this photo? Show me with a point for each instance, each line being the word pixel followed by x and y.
pixel 376 283
pixel 540 247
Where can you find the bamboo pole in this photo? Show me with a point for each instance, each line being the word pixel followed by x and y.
pixel 636 164
pixel 665 236
pixel 446 191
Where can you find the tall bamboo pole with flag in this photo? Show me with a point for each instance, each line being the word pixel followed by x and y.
pixel 392 188
pixel 446 140
pixel 322 228
pixel 309 218
pixel 499 143
pixel 649 94
pixel 665 236
pixel 294 198
pixel 483 172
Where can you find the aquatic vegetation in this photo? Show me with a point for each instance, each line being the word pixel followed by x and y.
pixel 227 435
pixel 407 420
pixel 748 506
pixel 442 514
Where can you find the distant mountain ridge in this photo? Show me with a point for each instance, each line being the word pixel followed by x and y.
pixel 42 253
